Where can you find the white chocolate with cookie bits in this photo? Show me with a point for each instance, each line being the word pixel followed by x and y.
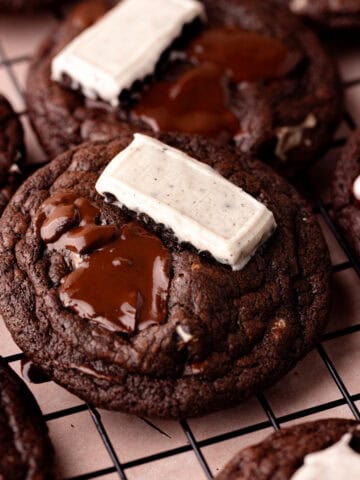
pixel 124 46
pixel 356 188
pixel 193 200
pixel 338 462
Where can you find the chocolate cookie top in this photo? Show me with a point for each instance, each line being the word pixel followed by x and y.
pixel 282 454
pixel 286 101
pixel 11 152
pixel 26 452
pixel 219 335
pixel 345 192
pixel 330 13
pixel 26 5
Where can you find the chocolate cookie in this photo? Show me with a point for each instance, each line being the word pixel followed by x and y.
pixel 26 452
pixel 282 454
pixel 221 335
pixel 26 5
pixel 11 152
pixel 346 192
pixel 330 13
pixel 283 105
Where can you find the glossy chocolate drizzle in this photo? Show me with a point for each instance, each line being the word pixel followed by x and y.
pixel 196 103
pixel 199 100
pixel 121 277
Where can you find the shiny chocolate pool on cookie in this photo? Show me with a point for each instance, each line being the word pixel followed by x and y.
pixel 123 312
pixel 234 72
pixel 122 278
pixel 199 100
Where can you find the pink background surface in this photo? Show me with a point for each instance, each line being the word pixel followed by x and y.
pixel 79 447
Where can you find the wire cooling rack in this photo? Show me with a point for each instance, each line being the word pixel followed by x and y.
pixel 205 444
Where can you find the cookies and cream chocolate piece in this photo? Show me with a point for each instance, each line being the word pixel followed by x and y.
pixel 290 137
pixel 190 198
pixel 124 46
pixel 338 462
pixel 356 188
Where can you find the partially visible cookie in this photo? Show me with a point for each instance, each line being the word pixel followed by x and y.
pixel 26 5
pixel 26 451
pixel 330 13
pixel 346 192
pixel 282 454
pixel 11 152
pixel 288 120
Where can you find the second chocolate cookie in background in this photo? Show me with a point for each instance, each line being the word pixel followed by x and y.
pixel 12 152
pixel 190 333
pixel 346 192
pixel 283 102
pixel 324 449
pixel 26 451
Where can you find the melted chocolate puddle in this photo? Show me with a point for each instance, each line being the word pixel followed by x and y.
pixel 121 277
pixel 243 54
pixel 123 285
pixel 198 101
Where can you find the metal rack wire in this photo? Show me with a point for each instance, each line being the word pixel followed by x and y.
pixel 273 421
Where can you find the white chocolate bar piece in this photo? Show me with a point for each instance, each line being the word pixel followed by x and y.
pixel 356 188
pixel 190 198
pixel 123 46
pixel 337 462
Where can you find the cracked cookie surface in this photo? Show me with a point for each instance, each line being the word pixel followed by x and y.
pixel 226 334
